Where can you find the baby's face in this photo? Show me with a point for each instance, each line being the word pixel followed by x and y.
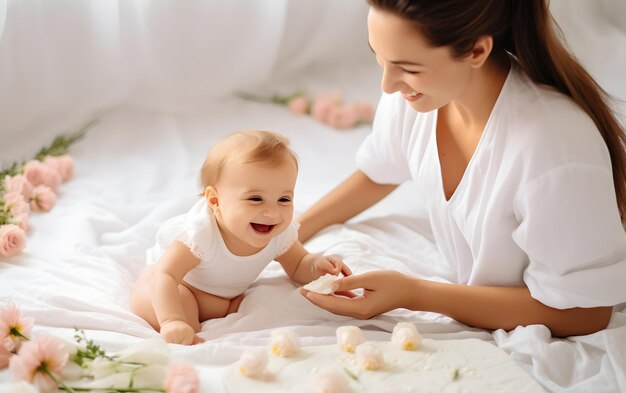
pixel 255 203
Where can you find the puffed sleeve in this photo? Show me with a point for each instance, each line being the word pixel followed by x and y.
pixel 571 230
pixel 382 156
pixel 196 230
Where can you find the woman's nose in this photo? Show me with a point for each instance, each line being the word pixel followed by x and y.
pixel 388 82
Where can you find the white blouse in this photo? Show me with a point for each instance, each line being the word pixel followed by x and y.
pixel 536 205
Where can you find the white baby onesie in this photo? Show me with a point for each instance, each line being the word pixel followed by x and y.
pixel 219 272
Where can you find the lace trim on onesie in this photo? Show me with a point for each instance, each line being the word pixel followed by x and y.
pixel 188 241
pixel 290 238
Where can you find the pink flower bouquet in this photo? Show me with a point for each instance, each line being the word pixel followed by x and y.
pixel 32 186
pixel 328 108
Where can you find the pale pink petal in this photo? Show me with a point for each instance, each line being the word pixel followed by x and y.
pixel 322 105
pixel 343 117
pixel 4 357
pixel 43 198
pixel 12 240
pixel 18 183
pixel 43 350
pixel 182 378
pixel 38 173
pixel 11 318
pixel 63 165
pixel 66 167
pixel 298 105
pixel 365 111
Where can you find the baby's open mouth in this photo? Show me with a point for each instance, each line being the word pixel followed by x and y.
pixel 262 228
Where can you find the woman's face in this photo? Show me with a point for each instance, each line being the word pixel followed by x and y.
pixel 428 77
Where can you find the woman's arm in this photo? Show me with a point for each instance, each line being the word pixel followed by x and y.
pixel 479 306
pixel 354 195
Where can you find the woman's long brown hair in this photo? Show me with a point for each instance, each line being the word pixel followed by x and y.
pixel 526 30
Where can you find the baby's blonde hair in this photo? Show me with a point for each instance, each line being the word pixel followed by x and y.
pixel 244 147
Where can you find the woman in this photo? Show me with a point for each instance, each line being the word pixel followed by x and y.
pixel 519 158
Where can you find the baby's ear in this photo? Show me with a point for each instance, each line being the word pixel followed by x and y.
pixel 210 194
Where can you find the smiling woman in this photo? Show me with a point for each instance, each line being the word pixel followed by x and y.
pixel 518 156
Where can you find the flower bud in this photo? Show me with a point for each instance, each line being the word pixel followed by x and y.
pixel 253 362
pixel 348 337
pixel 284 342
pixel 405 336
pixel 369 356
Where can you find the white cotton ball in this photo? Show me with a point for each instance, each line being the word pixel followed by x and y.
pixel 348 337
pixel 324 284
pixel 369 356
pixel 253 362
pixel 284 342
pixel 405 336
pixel 327 380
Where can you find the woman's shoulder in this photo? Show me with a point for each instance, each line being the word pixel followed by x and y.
pixel 547 126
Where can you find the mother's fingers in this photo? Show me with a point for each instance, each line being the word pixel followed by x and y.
pixel 356 281
pixel 335 304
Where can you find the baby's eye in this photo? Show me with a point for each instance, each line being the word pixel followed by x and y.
pixel 255 199
pixel 284 200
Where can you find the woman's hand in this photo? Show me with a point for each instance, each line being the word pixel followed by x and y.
pixel 179 332
pixel 383 290
pixel 329 264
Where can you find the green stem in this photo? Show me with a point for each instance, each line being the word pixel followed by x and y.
pixel 44 368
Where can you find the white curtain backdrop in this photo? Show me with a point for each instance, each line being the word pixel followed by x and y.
pixel 63 61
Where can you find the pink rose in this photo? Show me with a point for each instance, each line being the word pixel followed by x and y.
pixel 298 105
pixel 38 173
pixel 20 220
pixel 365 111
pixel 182 378
pixel 322 105
pixel 63 165
pixel 18 183
pixel 12 240
pixel 343 117
pixel 43 198
pixel 15 204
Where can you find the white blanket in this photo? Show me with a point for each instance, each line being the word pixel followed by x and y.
pixel 139 166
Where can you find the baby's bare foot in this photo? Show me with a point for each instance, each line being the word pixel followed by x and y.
pixel 234 304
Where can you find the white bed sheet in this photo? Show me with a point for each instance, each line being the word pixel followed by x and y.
pixel 136 168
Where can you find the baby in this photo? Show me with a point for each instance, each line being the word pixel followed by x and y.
pixel 204 260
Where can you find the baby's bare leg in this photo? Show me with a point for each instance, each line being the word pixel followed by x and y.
pixel 212 306
pixel 141 302
pixel 234 304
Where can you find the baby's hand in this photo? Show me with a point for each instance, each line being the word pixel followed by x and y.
pixel 331 264
pixel 179 332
